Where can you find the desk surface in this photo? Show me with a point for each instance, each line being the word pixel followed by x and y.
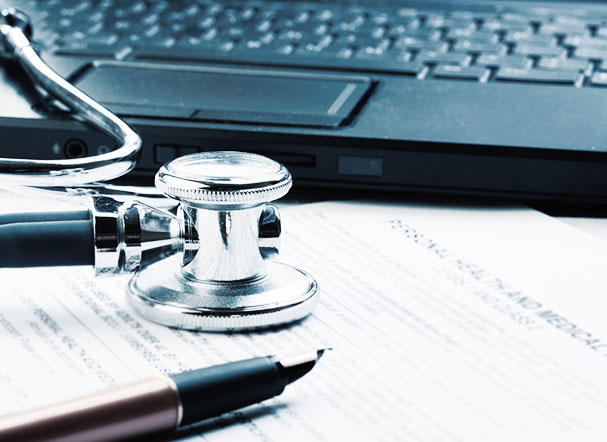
pixel 596 227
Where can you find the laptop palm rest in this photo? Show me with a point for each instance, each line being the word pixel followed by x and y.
pixel 225 94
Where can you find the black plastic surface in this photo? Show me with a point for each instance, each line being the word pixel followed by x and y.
pixel 215 390
pixel 432 136
pixel 225 94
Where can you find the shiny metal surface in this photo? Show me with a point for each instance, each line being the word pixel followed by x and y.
pixel 163 295
pixel 107 235
pixel 270 228
pixel 296 366
pixel 174 387
pixel 230 250
pixel 143 407
pixel 68 172
pixel 129 236
pixel 226 283
pixel 224 179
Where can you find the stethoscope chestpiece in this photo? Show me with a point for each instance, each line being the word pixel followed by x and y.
pixel 225 283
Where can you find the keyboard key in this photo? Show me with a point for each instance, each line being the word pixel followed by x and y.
pixel 209 34
pixel 210 21
pixel 425 34
pixel 484 48
pixel 137 7
pixel 247 13
pixel 334 51
pixel 396 31
pixel 467 15
pixel 165 42
pixel 270 49
pixel 196 49
pixel 359 64
pixel 518 35
pixel 411 23
pixel 381 45
pixel 566 64
pixel 407 12
pixel 499 26
pixel 99 39
pixel 599 79
pixel 475 37
pixel 492 25
pixel 379 18
pixel 539 50
pixel 376 53
pixel 323 15
pixel 563 28
pixel 293 36
pixel 353 40
pixel 483 17
pixel 432 57
pixel 190 43
pixel 584 40
pixel 282 48
pixel 539 76
pixel 457 33
pixel 448 71
pixel 454 24
pixel 530 39
pixel 323 41
pixel 152 31
pixel 514 61
pixel 411 43
pixel 232 33
pixel 305 28
pixel 591 53
pixel 520 19
pixel 434 19
pixel 94 50
pixel 569 19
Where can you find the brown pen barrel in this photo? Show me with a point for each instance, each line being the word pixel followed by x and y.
pixel 143 407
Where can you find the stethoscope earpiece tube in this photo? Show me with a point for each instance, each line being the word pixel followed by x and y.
pixel 33 217
pixel 113 236
pixel 14 30
pixel 47 243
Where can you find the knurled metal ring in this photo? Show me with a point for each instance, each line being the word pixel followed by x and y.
pixel 224 178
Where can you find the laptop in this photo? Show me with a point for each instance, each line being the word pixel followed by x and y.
pixel 488 98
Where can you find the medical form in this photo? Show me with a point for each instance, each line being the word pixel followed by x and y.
pixel 461 323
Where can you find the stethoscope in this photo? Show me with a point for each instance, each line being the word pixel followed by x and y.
pixel 208 267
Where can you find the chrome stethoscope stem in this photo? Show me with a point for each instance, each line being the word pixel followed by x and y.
pixel 14 28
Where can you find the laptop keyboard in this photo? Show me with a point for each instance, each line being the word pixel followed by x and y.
pixel 529 46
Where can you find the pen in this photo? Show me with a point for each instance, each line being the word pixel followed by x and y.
pixel 159 403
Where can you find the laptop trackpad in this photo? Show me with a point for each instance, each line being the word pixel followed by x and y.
pixel 225 94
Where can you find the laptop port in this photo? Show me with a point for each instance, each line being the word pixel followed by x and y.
pixel 75 148
pixel 292 160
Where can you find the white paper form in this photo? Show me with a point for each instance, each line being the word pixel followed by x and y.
pixel 449 324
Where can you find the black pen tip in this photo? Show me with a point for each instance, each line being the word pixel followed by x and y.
pixel 297 366
pixel 321 352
